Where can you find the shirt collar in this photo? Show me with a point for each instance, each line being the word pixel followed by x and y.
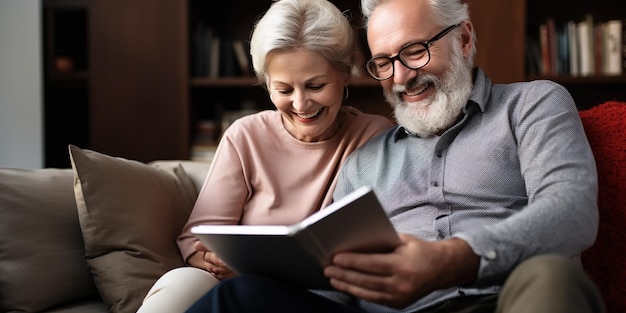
pixel 481 90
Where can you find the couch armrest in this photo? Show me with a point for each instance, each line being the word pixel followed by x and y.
pixel 197 170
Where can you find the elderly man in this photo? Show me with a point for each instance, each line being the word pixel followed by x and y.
pixel 492 187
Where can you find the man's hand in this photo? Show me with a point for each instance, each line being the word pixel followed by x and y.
pixel 411 271
pixel 209 261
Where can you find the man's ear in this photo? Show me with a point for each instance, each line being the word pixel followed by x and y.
pixel 467 38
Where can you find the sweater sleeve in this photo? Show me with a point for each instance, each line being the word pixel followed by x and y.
pixel 225 177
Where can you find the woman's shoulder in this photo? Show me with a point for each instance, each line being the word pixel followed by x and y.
pixel 252 121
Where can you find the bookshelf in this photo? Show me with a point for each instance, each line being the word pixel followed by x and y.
pixel 143 99
pixel 216 93
pixel 210 95
pixel 587 90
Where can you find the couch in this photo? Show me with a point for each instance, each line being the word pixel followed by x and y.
pixel 92 238
pixel 95 237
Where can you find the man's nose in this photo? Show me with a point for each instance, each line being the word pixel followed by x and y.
pixel 401 73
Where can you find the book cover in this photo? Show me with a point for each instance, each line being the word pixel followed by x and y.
pixel 297 253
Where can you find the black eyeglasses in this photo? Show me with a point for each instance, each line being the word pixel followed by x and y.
pixel 413 56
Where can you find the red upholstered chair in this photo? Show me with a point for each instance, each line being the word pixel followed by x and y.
pixel 605 261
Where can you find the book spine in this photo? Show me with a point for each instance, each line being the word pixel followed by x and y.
pixel 544 44
pixel 624 46
pixel 242 57
pixel 563 51
pixel 214 57
pixel 585 48
pixel 574 59
pixel 598 49
pixel 553 47
pixel 199 51
pixel 613 47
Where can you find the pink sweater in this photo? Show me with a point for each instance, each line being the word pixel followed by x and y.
pixel 262 175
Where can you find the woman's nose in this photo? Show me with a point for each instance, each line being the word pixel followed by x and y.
pixel 300 101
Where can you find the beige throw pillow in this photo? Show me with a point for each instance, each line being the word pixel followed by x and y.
pixel 130 214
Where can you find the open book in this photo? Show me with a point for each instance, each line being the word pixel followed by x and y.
pixel 297 253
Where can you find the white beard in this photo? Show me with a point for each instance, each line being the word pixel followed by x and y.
pixel 434 115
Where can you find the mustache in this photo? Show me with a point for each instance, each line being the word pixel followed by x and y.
pixel 414 82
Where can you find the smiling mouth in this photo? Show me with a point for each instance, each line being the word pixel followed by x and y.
pixel 418 90
pixel 310 115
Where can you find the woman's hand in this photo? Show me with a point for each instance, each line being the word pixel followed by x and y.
pixel 210 262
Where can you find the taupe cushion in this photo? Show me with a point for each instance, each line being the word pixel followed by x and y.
pixel 42 257
pixel 130 215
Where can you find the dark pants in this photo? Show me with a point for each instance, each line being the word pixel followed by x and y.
pixel 550 284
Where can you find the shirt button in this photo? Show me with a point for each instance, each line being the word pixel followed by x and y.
pixel 435 184
pixel 439 153
pixel 491 255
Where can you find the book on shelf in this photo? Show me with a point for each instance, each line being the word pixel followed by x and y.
pixel 216 56
pixel 598 48
pixel 585 46
pixel 544 43
pixel 562 54
pixel 623 46
pixel 613 54
pixel 297 253
pixel 199 50
pixel 574 63
pixel 241 54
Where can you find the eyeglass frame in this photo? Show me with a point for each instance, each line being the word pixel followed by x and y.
pixel 397 57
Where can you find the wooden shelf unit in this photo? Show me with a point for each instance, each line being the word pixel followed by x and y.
pixel 144 99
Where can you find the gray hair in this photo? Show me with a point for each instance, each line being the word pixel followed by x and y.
pixel 313 25
pixel 446 12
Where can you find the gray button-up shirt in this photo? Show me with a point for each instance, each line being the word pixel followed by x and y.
pixel 515 177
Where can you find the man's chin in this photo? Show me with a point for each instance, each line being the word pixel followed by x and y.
pixel 417 104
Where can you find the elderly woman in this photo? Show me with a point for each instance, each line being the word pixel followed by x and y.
pixel 277 166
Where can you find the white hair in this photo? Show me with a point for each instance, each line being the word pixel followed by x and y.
pixel 445 12
pixel 313 25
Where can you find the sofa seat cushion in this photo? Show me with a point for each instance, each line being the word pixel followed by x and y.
pixel 130 215
pixel 85 306
pixel 42 256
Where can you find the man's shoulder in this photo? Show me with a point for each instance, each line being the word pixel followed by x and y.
pixel 374 147
pixel 530 87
